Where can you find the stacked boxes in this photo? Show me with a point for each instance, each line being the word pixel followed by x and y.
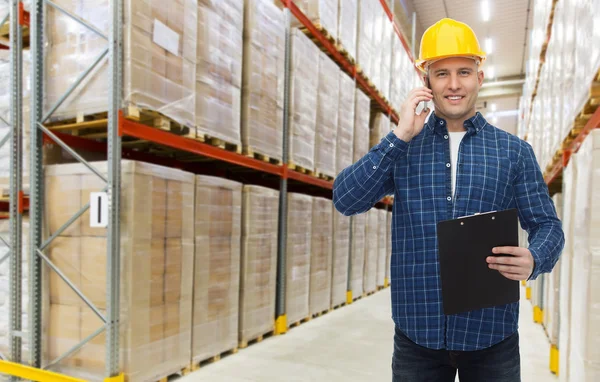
pixel 217 229
pixel 554 295
pixel 328 101
pixel 298 256
pixel 303 101
pixel 341 250
pixel 380 127
pixel 347 25
pixel 358 251
pixel 323 13
pixel 345 131
pixel 157 256
pixel 263 78
pixel 219 69
pixel 260 212
pixel 382 247
pixel 321 255
pixel 159 57
pixel 366 28
pixel 361 125
pixel 371 251
pixel 386 55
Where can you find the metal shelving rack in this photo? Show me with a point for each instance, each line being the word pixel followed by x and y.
pixel 117 128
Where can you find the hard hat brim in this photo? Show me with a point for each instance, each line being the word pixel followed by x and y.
pixel 422 64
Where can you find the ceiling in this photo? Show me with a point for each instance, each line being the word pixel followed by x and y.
pixel 508 28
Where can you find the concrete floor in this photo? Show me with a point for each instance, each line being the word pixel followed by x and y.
pixel 361 350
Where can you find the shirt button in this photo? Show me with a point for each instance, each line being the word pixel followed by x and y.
pixel 447 164
pixel 449 198
pixel 391 145
pixel 445 137
pixel 441 122
pixel 374 167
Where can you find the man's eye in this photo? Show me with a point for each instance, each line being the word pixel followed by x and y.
pixel 464 73
pixel 441 74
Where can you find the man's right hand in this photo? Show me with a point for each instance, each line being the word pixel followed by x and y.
pixel 411 124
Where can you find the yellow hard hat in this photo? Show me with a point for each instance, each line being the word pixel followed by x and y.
pixel 448 38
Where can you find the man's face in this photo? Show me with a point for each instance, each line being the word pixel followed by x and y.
pixel 455 83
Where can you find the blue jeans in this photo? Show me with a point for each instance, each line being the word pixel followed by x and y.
pixel 415 363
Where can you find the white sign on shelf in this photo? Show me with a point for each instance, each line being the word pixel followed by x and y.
pixel 165 37
pixel 98 210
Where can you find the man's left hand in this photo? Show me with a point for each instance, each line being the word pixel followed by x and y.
pixel 518 266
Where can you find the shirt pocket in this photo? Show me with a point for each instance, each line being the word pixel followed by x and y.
pixel 490 183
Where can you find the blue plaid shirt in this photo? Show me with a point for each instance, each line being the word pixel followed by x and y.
pixel 496 171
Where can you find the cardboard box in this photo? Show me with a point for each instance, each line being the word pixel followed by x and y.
pixel 345 130
pixel 359 223
pixel 371 251
pixel 341 251
pixel 321 255
pixel 361 125
pixel 327 116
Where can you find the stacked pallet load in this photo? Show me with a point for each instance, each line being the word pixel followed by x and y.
pixel 328 101
pixel 361 125
pixel 364 42
pixel 217 230
pixel 388 260
pixel 371 250
pixel 345 130
pixel 347 26
pixel 157 257
pixel 584 357
pixel 386 55
pixel 378 19
pixel 322 13
pixel 260 213
pixel 219 70
pixel 303 101
pixel 380 127
pixel 358 254
pixel 382 247
pixel 298 257
pixel 159 59
pixel 341 251
pixel 553 310
pixel 263 79
pixel 321 255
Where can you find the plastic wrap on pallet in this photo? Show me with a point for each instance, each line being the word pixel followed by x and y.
pixel 583 53
pixel 347 25
pixel 5 286
pixel 303 102
pixel 371 250
pixel 382 247
pixel 358 250
pixel 298 256
pixel 399 73
pixel 345 134
pixel 219 70
pixel 328 102
pixel 260 213
pixel 568 54
pixel 554 315
pixel 386 54
pixel 379 18
pixel 263 78
pixel 362 112
pixel 159 57
pixel 217 232
pixel 585 305
pixel 366 28
pixel 341 251
pixel 321 255
pixel 323 13
pixel 379 128
pixel 566 261
pixel 157 270
pixel 388 259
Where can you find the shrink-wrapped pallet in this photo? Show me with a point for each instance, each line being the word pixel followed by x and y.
pixel 382 247
pixel 388 259
pixel 386 58
pixel 5 286
pixel 321 255
pixel 219 70
pixel 379 18
pixel 328 101
pixel 566 265
pixel 298 257
pixel 263 78
pixel 585 305
pixel 260 210
pixel 156 277
pixel 345 132
pixel 379 128
pixel 159 57
pixel 362 112
pixel 347 25
pixel 217 230
pixel 303 103
pixel 366 29
pixel 570 69
pixel 554 285
pixel 398 73
pixel 371 250
pixel 341 251
pixel 357 253
pixel 323 13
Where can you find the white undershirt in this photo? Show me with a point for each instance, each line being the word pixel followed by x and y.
pixel 455 139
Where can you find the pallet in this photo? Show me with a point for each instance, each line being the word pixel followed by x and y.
pixel 177 374
pixel 336 307
pixel 5 34
pixel 300 322
pixel 198 364
pixel 293 166
pixel 342 50
pixel 380 287
pixel 320 175
pixel 321 29
pixel 259 339
pixel 249 152
pixel 319 314
pixel 158 120
pixel 220 143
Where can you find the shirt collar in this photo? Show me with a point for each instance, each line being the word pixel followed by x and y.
pixel 473 125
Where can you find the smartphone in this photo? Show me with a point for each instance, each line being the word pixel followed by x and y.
pixel 424 104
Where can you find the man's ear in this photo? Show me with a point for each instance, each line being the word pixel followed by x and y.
pixel 480 77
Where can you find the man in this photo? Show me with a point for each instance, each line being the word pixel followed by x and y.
pixel 453 165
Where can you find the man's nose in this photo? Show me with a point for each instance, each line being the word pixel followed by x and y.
pixel 454 82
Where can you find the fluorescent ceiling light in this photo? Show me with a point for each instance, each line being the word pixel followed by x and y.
pixel 489 45
pixel 485 10
pixel 491 73
pixel 493 107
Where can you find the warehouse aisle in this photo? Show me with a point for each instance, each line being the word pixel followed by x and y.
pixel 350 344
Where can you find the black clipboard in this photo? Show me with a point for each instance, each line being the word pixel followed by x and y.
pixel 464 244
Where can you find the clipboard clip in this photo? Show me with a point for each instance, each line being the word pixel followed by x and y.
pixel 477 214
